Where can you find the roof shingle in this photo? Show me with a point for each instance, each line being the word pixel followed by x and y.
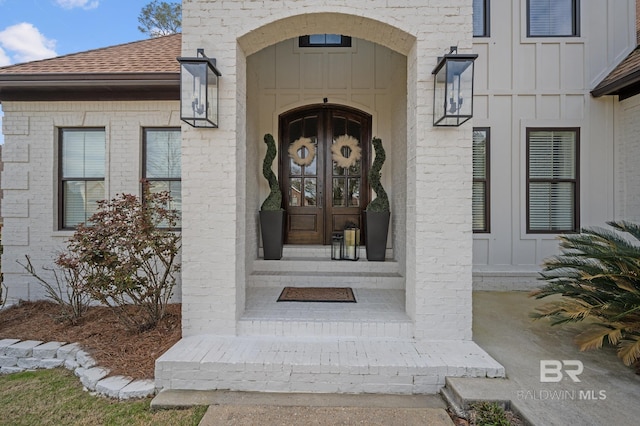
pixel 155 55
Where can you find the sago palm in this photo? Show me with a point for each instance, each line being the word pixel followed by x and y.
pixel 598 273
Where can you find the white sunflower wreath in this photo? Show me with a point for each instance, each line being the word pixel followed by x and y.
pixel 297 145
pixel 355 152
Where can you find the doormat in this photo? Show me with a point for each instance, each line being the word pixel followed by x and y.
pixel 317 294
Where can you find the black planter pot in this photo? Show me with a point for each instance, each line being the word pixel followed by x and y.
pixel 376 229
pixel 271 227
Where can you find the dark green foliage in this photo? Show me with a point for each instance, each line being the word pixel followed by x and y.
pixel 381 203
pixel 160 18
pixel 598 273
pixel 274 201
pixel 490 414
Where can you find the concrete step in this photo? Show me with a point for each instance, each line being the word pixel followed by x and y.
pixel 302 270
pixel 379 280
pixel 321 365
pixel 339 328
pixel 460 393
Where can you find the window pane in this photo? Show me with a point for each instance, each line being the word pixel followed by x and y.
pixel 478 206
pixel 80 200
pixel 551 18
pixel 551 206
pixel 479 154
pixel 552 155
pixel 310 192
pixel 295 192
pixel 338 192
pixel 174 188
pixel 479 18
pixel 354 192
pixel 163 156
pixel 83 153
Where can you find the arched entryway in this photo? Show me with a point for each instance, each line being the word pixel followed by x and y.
pixel 324 161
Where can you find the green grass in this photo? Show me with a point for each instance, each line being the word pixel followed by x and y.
pixel 55 397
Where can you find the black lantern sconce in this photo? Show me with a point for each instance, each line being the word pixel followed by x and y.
pixel 453 89
pixel 199 91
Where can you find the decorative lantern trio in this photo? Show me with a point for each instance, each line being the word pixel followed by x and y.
pixel 345 245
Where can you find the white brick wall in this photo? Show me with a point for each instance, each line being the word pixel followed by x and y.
pixel 438 257
pixel 30 173
pixel 627 159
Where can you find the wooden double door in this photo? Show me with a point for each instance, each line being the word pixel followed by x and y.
pixel 320 196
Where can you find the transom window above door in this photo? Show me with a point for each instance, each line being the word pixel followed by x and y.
pixel 324 40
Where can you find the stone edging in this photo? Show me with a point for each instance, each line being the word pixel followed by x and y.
pixel 17 356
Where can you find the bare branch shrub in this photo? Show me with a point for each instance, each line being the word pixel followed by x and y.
pixel 128 251
pixel 68 292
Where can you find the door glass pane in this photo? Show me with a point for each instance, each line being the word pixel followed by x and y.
pixel 311 169
pixel 354 192
pixel 338 192
pixel 295 194
pixel 294 169
pixel 310 192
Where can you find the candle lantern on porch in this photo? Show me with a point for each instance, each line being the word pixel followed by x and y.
pixel 350 243
pixel 336 245
pixel 199 91
pixel 453 89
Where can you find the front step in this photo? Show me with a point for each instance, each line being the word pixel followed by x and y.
pixel 330 365
pixel 376 314
pixel 312 266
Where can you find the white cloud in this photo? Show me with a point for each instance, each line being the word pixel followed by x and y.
pixel 23 43
pixel 4 58
pixel 85 4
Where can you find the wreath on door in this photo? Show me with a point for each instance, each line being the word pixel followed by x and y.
pixel 297 145
pixel 354 151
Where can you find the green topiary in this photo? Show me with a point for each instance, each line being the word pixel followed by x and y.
pixel 381 203
pixel 274 201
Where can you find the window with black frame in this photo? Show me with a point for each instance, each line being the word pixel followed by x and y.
pixel 552 180
pixel 480 196
pixel 81 162
pixel 481 18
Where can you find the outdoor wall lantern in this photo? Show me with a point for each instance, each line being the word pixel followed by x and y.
pixel 199 90
pixel 453 89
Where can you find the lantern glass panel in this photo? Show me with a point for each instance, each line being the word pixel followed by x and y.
pixel 212 97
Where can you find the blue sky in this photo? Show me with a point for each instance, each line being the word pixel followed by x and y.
pixel 39 29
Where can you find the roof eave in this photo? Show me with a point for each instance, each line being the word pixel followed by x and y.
pixel 617 86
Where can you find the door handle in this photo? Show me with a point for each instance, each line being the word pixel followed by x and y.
pixel 320 198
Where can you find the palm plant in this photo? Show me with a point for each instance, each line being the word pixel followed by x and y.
pixel 598 273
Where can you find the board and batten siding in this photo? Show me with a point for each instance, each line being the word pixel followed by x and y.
pixel 526 82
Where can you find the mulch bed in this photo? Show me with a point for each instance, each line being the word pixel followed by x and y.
pixel 99 333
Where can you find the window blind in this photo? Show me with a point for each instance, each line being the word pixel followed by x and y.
pixel 552 180
pixel 552 18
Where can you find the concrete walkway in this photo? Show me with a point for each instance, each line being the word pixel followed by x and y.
pixel 607 393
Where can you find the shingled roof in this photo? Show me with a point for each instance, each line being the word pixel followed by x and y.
pixel 624 80
pixel 146 68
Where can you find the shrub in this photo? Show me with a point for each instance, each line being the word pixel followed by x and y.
pixel 68 292
pixel 598 273
pixel 128 255
pixel 273 202
pixel 381 202
pixel 489 414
